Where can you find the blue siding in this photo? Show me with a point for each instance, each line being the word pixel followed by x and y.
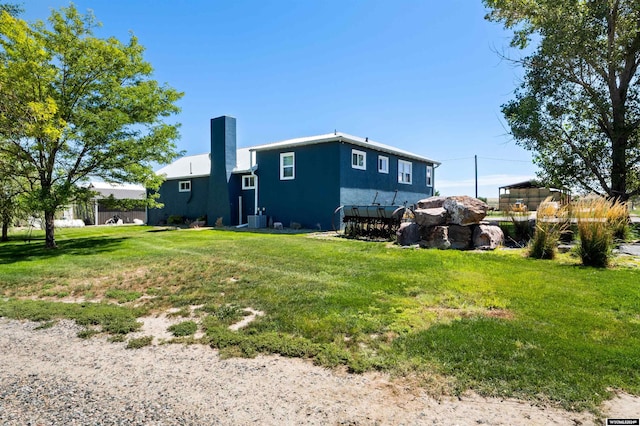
pixel 248 200
pixel 312 196
pixel 190 205
pixel 370 181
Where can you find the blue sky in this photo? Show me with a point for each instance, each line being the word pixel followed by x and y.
pixel 421 75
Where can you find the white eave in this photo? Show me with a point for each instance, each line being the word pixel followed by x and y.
pixel 343 137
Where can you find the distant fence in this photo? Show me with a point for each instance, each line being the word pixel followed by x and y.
pixel 126 216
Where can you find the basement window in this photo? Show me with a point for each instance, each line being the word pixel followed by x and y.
pixel 184 186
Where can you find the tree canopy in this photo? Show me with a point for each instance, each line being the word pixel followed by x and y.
pixel 74 106
pixel 578 108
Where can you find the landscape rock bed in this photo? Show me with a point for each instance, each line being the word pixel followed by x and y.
pixel 450 223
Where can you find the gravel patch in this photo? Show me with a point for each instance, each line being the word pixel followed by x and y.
pixel 51 377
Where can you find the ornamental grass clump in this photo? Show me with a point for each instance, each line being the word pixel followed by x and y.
pixel 551 222
pixel 598 221
pixel 521 225
pixel 618 219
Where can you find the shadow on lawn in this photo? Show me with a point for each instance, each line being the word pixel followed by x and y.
pixel 35 250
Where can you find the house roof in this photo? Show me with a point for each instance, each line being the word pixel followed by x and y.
pixel 528 184
pixel 187 167
pixel 119 191
pixel 342 137
pixel 200 165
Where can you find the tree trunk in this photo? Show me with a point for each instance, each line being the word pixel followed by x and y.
pixel 49 229
pixel 5 231
pixel 619 171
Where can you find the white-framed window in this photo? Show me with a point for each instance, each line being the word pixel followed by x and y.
pixel 404 171
pixel 429 176
pixel 383 164
pixel 249 182
pixel 184 186
pixel 287 166
pixel 358 159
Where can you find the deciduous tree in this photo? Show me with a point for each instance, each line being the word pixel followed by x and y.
pixel 578 108
pixel 75 106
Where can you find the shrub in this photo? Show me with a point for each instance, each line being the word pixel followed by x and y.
pixel 618 219
pixel 175 220
pixel 595 231
pixel 551 222
pixel 219 223
pixel 521 225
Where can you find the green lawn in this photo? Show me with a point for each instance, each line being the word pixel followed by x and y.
pixel 497 323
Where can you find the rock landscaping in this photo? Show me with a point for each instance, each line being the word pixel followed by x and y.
pixel 450 223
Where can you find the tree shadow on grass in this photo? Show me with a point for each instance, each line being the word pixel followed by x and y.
pixel 35 249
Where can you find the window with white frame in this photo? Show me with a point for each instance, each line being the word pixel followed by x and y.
pixel 358 159
pixel 184 186
pixel 404 171
pixel 248 182
pixel 383 164
pixel 287 166
pixel 429 175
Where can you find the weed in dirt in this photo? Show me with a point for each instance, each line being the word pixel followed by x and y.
pixel 186 328
pixel 88 333
pixel 139 342
pixel 122 296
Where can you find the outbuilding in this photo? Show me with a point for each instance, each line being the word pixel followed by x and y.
pixel 529 195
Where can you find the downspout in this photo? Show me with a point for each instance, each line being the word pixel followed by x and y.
pixel 255 192
pixel 254 167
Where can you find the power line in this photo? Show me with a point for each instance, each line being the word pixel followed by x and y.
pixel 456 159
pixel 504 159
pixel 486 158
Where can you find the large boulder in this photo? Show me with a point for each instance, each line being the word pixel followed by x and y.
pixel 465 210
pixel 460 237
pixel 436 237
pixel 431 217
pixel 487 237
pixel 408 234
pixel 431 202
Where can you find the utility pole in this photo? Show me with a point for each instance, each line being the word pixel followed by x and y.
pixel 475 157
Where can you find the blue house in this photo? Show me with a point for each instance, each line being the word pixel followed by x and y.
pixel 299 180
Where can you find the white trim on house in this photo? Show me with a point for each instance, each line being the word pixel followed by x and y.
pixel 383 164
pixel 358 159
pixel 405 172
pixel 284 174
pixel 343 137
pixel 184 186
